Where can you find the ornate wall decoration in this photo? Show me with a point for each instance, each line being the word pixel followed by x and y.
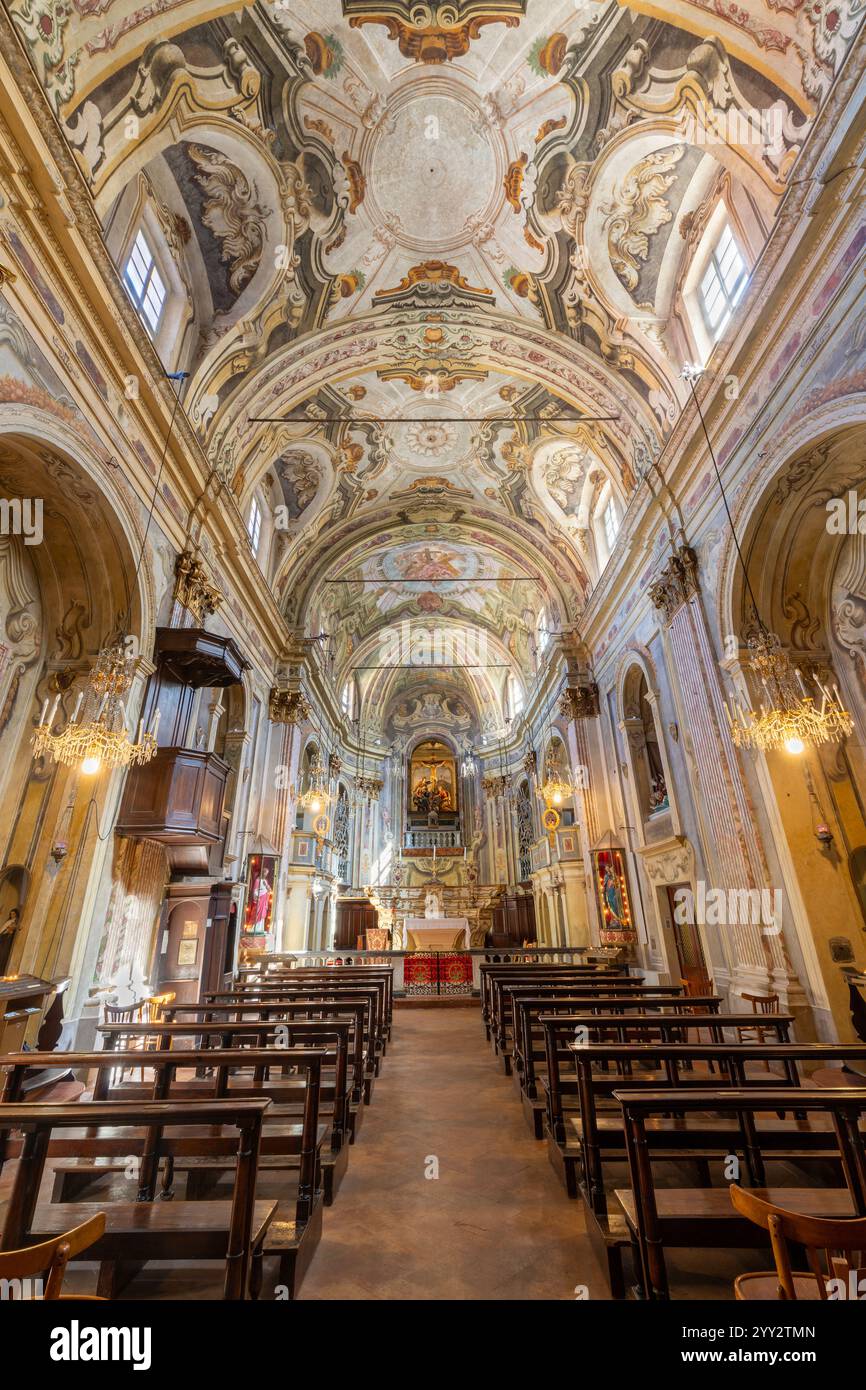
pixel 231 211
pixel 356 184
pixel 433 33
pixel 678 582
pixel 579 702
pixel 299 477
pixel 325 53
pixel 637 211
pixel 288 706
pixel 192 588
pixel 42 24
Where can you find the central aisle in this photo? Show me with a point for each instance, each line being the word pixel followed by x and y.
pixel 495 1224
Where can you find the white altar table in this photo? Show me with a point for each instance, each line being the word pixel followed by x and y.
pixel 437 933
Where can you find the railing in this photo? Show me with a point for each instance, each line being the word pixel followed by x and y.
pixel 549 955
pixel 432 839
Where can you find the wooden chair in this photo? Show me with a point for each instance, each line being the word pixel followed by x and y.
pixel 761 1005
pixel 836 1238
pixel 51 1257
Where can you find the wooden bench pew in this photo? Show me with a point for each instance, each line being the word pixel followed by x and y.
pixel 505 994
pixel 313 995
pixel 318 1013
pixel 502 992
pixel 335 1083
pixel 529 1056
pixel 599 1135
pixel 329 981
pixel 135 1232
pixel 355 973
pixel 488 974
pixel 323 1003
pixel 703 1218
pixel 497 1020
pixel 559 1085
pixel 291 1151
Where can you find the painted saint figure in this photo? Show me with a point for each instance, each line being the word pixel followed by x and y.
pixel 261 899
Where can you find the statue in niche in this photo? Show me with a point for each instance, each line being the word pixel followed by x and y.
pixel 432 905
pixel 658 796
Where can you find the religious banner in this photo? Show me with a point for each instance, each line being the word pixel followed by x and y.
pixel 614 900
pixel 258 914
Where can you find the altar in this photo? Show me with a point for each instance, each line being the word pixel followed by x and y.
pixel 437 933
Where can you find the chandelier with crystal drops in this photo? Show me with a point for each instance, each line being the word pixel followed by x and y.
pixel 789 717
pixel 98 734
pixel 317 797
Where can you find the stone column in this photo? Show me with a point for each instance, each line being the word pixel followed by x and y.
pixel 733 848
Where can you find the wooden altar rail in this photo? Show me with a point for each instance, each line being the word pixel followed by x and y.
pixel 517 955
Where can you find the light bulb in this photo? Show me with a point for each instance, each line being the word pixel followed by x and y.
pixel 91 765
pixel 794 745
pixel 315 807
pixel 557 799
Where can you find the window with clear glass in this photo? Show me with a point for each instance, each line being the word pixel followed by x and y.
pixel 515 697
pixel 144 284
pixel 543 630
pixel 254 525
pixel 610 522
pixel 723 283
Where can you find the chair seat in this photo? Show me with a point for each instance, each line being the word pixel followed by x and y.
pixel 765 1286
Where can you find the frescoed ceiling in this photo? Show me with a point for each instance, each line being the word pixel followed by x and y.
pixel 432 256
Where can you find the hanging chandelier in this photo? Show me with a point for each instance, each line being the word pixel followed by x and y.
pixel 97 734
pixel 316 798
pixel 789 717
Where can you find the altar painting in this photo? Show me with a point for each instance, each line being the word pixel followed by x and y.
pixel 432 779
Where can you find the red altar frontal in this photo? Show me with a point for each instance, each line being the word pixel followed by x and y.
pixel 437 972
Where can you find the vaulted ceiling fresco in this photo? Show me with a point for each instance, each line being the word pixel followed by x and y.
pixel 434 257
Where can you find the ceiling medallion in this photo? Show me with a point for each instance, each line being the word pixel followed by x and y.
pixel 433 33
pixel 790 718
pixel 430 438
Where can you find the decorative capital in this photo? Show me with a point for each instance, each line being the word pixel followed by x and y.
pixel 530 762
pixel 579 702
pixel 494 787
pixel 678 582
pixel 335 764
pixel 369 787
pixel 192 588
pixel 288 706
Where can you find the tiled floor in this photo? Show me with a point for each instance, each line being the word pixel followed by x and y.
pixel 494 1223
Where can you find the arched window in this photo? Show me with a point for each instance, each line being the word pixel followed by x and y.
pixel 347 699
